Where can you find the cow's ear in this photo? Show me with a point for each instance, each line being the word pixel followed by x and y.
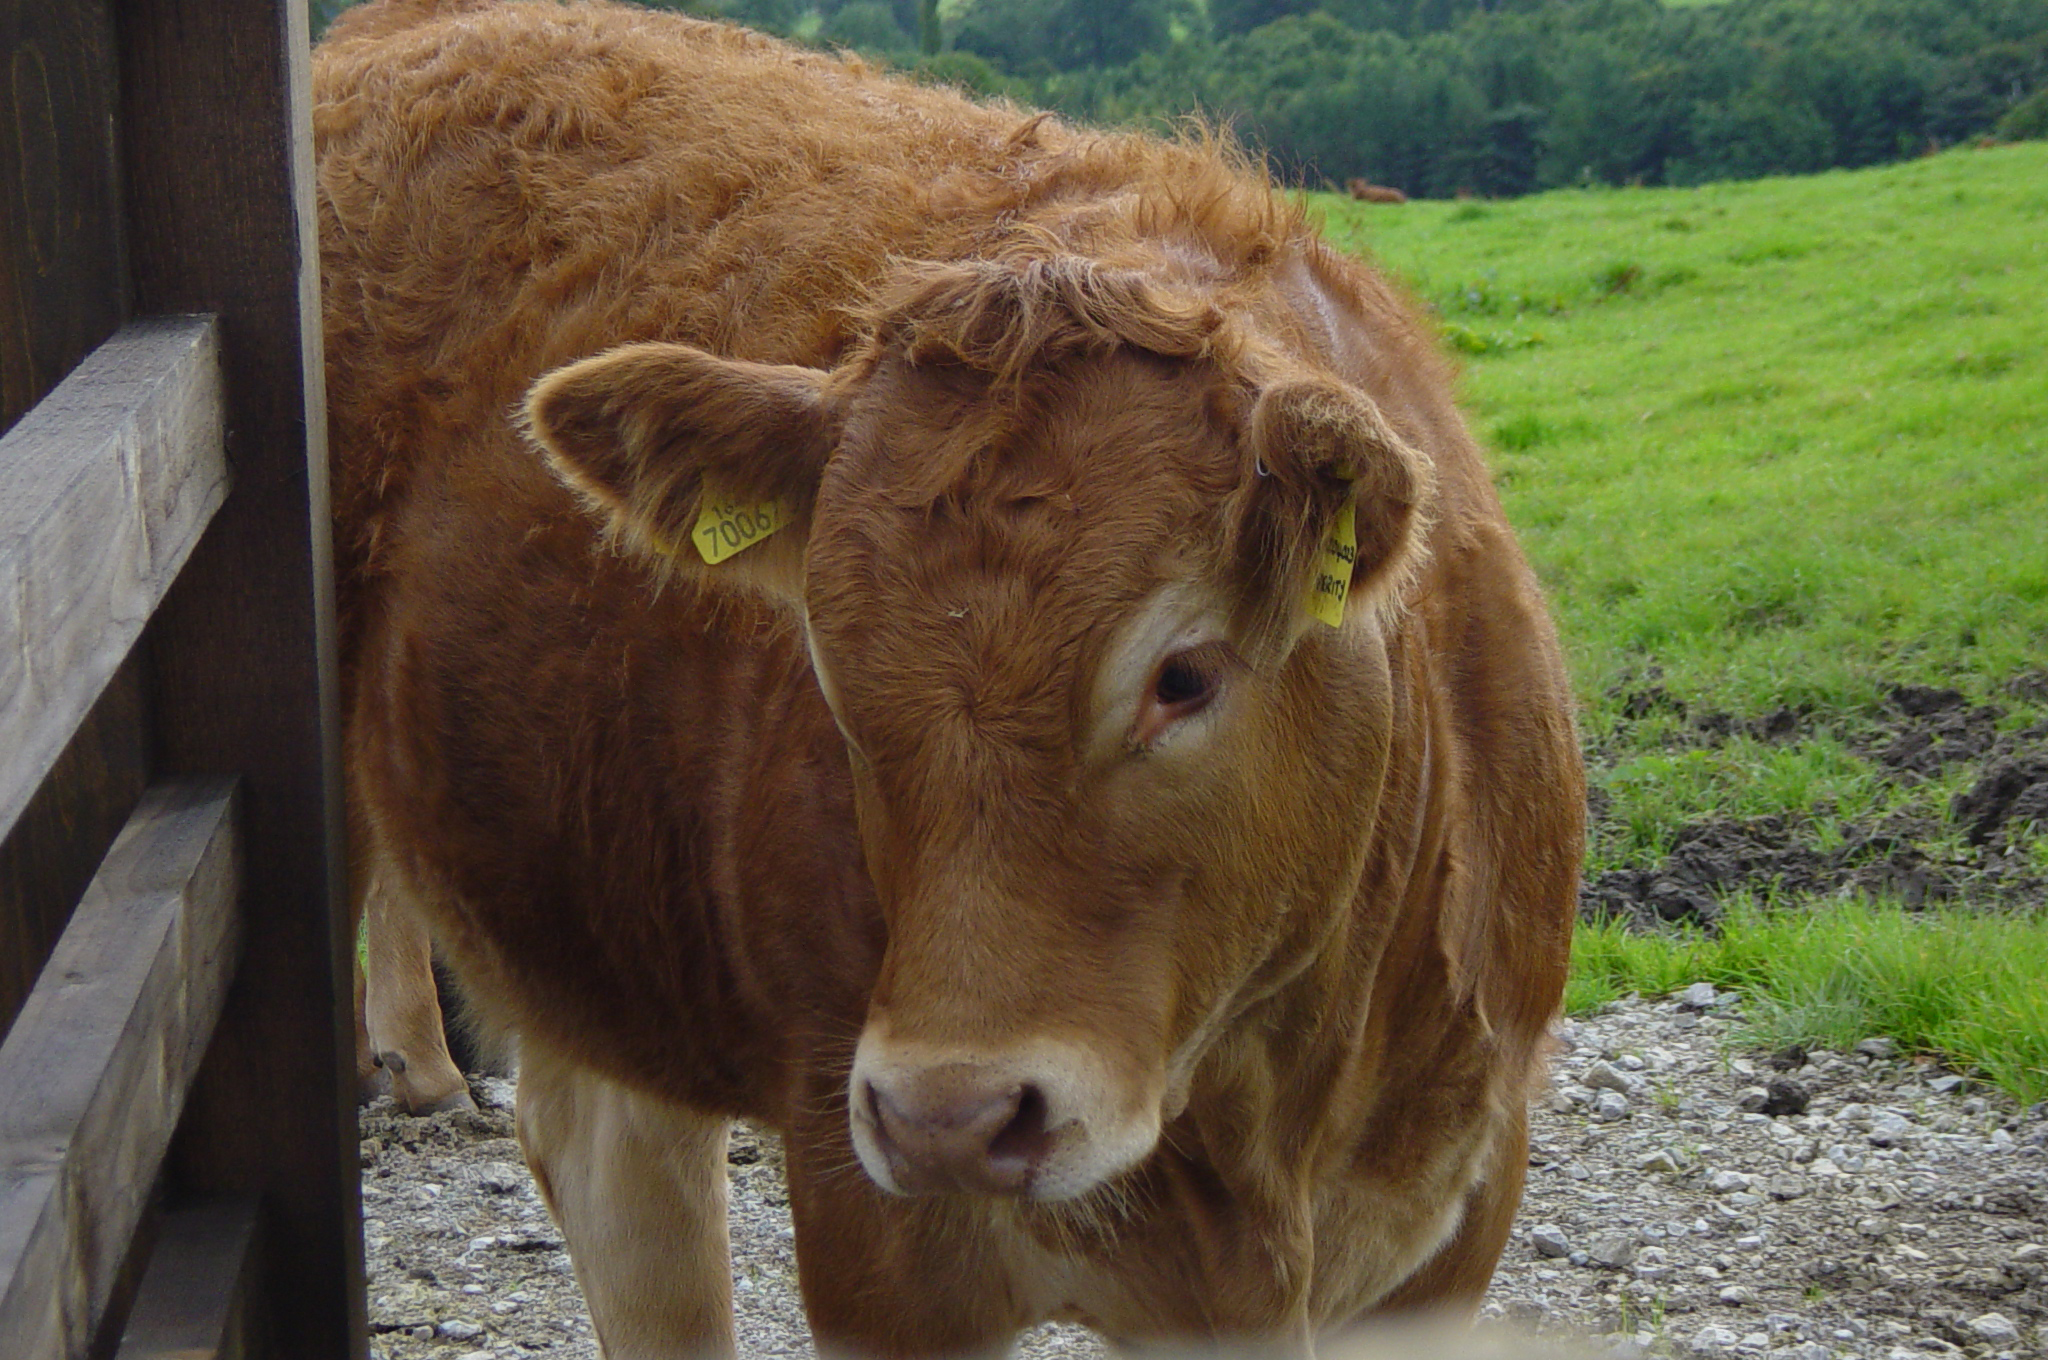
pixel 709 466
pixel 1324 449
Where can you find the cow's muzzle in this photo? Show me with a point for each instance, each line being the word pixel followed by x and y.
pixel 955 1129
pixel 1043 1124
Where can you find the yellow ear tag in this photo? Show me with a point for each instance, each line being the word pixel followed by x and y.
pixel 1333 569
pixel 725 527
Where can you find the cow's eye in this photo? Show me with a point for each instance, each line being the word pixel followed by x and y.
pixel 1183 686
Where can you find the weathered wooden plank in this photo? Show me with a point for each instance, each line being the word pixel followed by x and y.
pixel 194 1299
pixel 96 1069
pixel 217 144
pixel 104 489
pixel 62 285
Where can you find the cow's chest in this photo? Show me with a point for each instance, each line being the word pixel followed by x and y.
pixel 1182 1253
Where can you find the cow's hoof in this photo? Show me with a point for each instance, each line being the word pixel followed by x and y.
pixel 451 1093
pixel 427 1104
pixel 372 1086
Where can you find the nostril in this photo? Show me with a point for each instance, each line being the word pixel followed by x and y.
pixel 867 1105
pixel 1024 1138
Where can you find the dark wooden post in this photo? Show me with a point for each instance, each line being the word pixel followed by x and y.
pixel 217 151
pixel 60 228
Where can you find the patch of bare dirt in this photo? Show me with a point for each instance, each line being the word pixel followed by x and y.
pixel 1971 851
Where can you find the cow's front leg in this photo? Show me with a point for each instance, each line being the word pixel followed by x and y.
pixel 638 1187
pixel 399 1010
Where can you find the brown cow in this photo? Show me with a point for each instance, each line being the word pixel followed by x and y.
pixel 1112 803
pixel 1365 191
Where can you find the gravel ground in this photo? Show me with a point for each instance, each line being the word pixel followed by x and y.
pixel 1686 1197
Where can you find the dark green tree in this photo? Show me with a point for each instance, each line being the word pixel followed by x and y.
pixel 1045 36
pixel 869 25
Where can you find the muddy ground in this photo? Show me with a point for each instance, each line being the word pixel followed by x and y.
pixel 1968 850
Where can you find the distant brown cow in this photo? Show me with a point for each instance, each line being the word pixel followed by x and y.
pixel 1367 192
pixel 981 645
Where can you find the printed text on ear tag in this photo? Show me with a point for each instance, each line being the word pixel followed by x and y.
pixel 725 527
pixel 1333 567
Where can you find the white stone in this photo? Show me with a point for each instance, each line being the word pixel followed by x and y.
pixel 1713 1340
pixel 1995 1328
pixel 1603 1077
pixel 1614 1250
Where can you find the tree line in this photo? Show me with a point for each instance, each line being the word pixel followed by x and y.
pixel 1486 97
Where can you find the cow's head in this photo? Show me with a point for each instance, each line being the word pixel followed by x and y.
pixel 1051 532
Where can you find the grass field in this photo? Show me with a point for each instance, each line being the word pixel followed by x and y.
pixel 1785 439
pixel 1775 445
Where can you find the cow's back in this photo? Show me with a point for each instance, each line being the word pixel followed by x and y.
pixel 506 188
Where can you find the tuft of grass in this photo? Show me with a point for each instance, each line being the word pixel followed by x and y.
pixel 1468 340
pixel 1522 432
pixel 1965 988
pixel 1618 277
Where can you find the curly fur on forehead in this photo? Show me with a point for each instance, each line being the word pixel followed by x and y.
pixel 1006 316
pixel 1095 242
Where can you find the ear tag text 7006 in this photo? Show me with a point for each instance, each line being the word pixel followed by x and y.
pixel 725 527
pixel 1332 582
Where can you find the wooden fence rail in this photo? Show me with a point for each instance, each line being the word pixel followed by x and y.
pixel 177 1139
pixel 98 1063
pixel 107 486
